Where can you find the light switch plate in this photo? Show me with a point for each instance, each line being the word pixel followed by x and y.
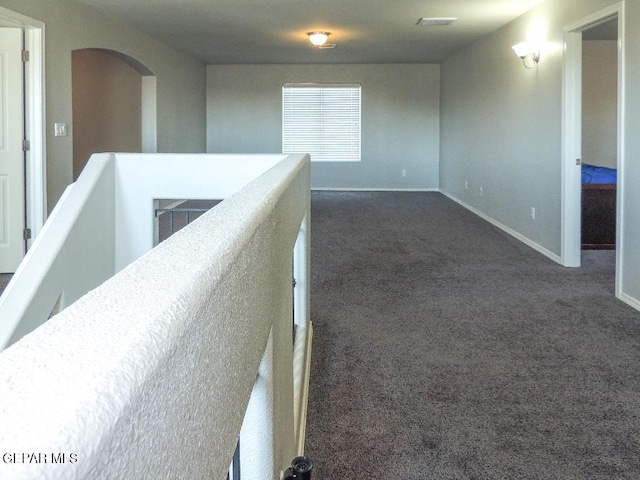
pixel 60 129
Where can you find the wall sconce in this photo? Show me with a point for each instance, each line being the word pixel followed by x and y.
pixel 318 38
pixel 528 52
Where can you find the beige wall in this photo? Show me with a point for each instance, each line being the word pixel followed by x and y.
pixel 107 106
pixel 400 119
pixel 181 81
pixel 501 127
pixel 502 123
pixel 599 102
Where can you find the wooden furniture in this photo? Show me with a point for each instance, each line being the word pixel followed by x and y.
pixel 598 216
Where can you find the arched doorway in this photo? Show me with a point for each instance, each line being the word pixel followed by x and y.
pixel 572 136
pixel 113 105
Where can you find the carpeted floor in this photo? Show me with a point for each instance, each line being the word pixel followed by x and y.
pixel 445 349
pixel 4 281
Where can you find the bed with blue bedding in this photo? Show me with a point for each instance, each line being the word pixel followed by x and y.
pixel 598 207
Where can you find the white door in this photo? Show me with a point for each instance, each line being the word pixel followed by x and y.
pixel 12 245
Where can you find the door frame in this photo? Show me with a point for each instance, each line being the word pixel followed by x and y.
pixel 572 136
pixel 34 110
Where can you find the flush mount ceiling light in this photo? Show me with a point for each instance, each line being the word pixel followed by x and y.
pixel 528 52
pixel 436 21
pixel 318 38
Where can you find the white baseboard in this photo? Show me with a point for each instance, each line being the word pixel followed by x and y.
pixel 632 302
pixel 629 300
pixel 493 221
pixel 504 228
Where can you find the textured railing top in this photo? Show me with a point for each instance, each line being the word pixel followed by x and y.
pixel 136 376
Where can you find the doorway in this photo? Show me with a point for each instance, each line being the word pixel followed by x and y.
pixel 114 105
pixel 23 200
pixel 107 106
pixel 572 140
pixel 599 138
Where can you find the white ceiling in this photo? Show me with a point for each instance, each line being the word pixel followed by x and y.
pixel 274 31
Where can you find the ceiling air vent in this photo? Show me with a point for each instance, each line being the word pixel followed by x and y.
pixel 436 21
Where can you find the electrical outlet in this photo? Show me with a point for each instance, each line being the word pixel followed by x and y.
pixel 533 213
pixel 404 172
pixel 481 192
pixel 466 185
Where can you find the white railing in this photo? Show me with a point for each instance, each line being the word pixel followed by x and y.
pixel 150 374
pixel 73 253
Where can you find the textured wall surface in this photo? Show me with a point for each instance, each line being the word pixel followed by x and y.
pixel 74 252
pixel 141 179
pixel 149 375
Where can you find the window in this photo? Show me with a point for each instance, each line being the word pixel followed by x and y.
pixel 322 120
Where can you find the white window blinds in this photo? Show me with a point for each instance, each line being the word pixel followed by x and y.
pixel 322 120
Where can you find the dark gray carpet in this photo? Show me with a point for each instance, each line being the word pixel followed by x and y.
pixel 445 349
pixel 4 281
